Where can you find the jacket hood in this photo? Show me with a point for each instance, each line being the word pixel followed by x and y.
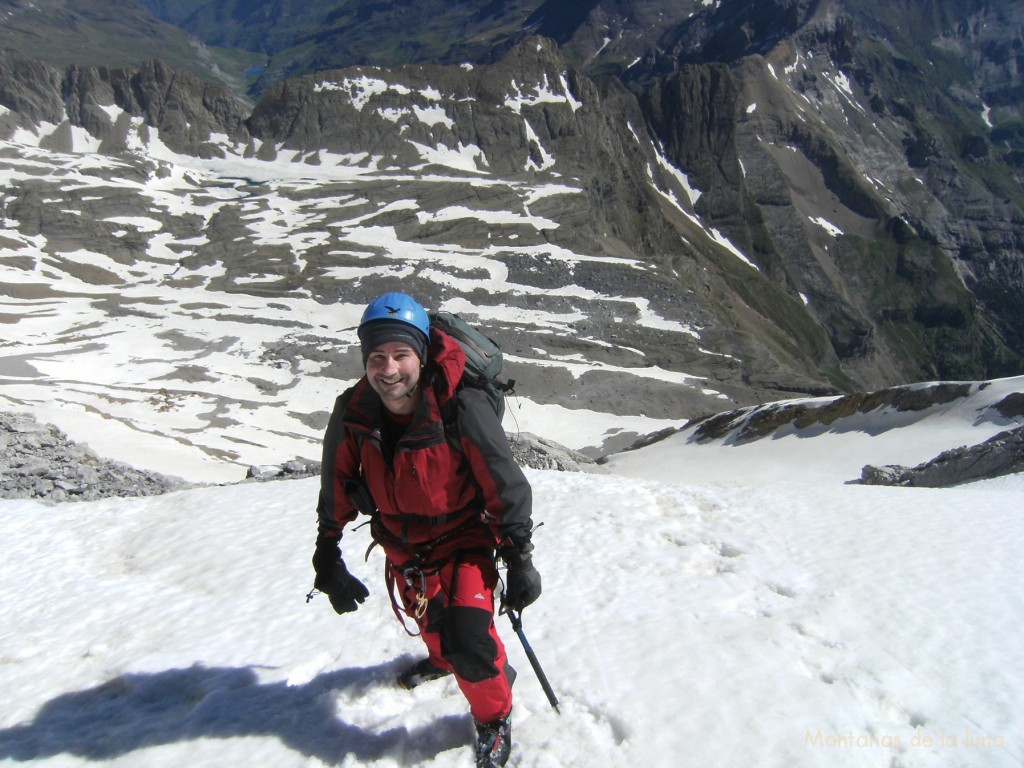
pixel 448 361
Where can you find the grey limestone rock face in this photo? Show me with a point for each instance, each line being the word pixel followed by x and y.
pixel 39 462
pixel 30 89
pixel 539 453
pixel 185 109
pixel 1002 454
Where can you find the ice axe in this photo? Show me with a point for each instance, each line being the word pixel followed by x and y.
pixel 517 625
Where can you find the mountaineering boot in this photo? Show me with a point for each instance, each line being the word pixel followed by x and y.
pixel 423 671
pixel 493 742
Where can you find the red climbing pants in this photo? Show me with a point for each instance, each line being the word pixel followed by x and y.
pixel 453 606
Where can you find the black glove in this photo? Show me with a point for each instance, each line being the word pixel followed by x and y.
pixel 522 582
pixel 333 579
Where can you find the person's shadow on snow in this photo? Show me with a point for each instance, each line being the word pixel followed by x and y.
pixel 135 711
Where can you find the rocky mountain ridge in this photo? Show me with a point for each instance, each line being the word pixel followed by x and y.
pixel 39 462
pixel 1000 455
pixel 118 34
pixel 914 130
pixel 683 236
pixel 924 303
pixel 808 156
pixel 994 409
pixel 560 157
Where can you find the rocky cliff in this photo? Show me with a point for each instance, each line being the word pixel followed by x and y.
pixel 543 169
pixel 906 113
pixel 658 208
pixel 845 168
pixel 37 461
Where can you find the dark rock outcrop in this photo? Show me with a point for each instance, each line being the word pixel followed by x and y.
pixel 39 462
pixel 1001 454
pixel 184 109
pixel 763 421
pixel 539 453
pixel 30 89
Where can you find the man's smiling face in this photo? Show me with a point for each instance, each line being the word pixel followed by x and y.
pixel 393 370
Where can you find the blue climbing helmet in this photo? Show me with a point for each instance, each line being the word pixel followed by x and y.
pixel 394 317
pixel 397 306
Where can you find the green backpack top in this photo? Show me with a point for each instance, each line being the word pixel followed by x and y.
pixel 483 359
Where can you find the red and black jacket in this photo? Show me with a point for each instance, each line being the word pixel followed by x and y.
pixel 441 490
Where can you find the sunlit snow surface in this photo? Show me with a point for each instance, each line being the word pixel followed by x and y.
pixel 704 605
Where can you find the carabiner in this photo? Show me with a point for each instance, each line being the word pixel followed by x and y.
pixel 410 574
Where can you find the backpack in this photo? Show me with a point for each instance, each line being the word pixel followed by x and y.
pixel 483 359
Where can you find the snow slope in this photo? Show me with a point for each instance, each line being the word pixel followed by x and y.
pixel 759 612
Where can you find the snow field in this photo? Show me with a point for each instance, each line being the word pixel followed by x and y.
pixel 722 625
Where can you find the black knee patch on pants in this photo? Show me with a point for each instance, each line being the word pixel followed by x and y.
pixel 466 643
pixel 435 614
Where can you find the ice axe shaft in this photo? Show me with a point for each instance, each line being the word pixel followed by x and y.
pixel 517 625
